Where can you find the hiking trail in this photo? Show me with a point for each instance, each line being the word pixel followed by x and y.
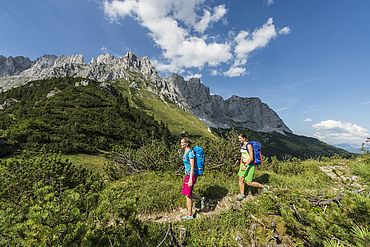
pixel 212 208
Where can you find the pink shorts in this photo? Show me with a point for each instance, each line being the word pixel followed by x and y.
pixel 186 190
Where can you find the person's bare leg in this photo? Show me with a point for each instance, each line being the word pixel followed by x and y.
pixel 256 185
pixel 189 205
pixel 241 185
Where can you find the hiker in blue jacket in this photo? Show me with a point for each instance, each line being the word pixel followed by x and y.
pixel 190 177
pixel 247 167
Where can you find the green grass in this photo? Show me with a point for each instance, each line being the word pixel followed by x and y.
pixel 156 192
pixel 293 183
pixel 94 163
pixel 178 120
pixel 360 167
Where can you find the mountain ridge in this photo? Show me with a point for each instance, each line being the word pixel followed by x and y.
pixel 213 110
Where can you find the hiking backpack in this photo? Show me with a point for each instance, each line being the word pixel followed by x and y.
pixel 199 160
pixel 257 159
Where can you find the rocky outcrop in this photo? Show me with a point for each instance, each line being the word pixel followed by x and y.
pixel 13 65
pixel 7 103
pixel 236 111
pixel 191 95
pixel 102 68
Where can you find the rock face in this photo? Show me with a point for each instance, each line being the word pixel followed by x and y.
pixel 190 95
pixel 236 111
pixel 13 65
pixel 103 68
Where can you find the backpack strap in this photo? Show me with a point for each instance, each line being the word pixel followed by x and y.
pixel 249 143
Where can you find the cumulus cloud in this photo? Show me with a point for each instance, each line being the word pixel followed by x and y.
pixel 335 132
pixel 178 29
pixel 308 120
pixel 208 18
pixel 246 42
pixel 234 72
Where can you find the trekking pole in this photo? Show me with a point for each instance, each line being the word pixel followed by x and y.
pixel 165 237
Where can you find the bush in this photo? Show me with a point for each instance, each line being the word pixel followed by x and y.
pixel 45 201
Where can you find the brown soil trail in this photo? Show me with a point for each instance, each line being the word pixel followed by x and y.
pixel 212 208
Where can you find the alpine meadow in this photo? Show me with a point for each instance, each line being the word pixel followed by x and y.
pixel 190 144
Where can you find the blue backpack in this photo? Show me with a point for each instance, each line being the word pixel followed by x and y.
pixel 199 160
pixel 257 159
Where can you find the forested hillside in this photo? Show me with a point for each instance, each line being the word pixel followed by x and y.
pixel 63 115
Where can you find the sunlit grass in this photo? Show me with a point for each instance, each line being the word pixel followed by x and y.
pixel 95 163
pixel 177 119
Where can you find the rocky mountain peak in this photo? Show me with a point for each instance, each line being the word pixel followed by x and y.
pixel 104 59
pixel 13 65
pixel 236 111
pixel 191 95
pixel 61 61
pixel 46 61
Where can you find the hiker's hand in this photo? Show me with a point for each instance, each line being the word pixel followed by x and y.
pixel 190 182
pixel 179 151
pixel 244 167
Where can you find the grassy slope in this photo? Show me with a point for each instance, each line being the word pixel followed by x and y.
pixel 177 119
pixel 93 162
pixel 160 192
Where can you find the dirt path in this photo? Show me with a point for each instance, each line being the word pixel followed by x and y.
pixel 340 175
pixel 212 208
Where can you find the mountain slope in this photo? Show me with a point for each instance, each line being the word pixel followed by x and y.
pixel 82 116
pixel 176 118
pixel 288 145
pixel 191 95
pixel 74 115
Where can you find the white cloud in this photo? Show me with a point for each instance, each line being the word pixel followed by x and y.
pixel 335 132
pixel 247 43
pixel 284 31
pixel 189 76
pixel 163 18
pixel 171 25
pixel 234 72
pixel 208 18
pixel 308 120
pixel 214 72
pixel 115 9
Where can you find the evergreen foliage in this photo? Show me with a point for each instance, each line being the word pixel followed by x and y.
pixel 46 200
pixel 81 119
pixel 287 145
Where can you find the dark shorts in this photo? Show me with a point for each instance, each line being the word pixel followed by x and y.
pixel 186 190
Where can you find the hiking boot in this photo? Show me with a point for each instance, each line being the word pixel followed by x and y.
pixel 240 197
pixel 202 203
pixel 187 217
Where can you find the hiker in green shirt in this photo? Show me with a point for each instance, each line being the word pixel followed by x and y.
pixel 247 167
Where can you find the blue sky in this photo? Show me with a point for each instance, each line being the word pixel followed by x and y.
pixel 309 60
